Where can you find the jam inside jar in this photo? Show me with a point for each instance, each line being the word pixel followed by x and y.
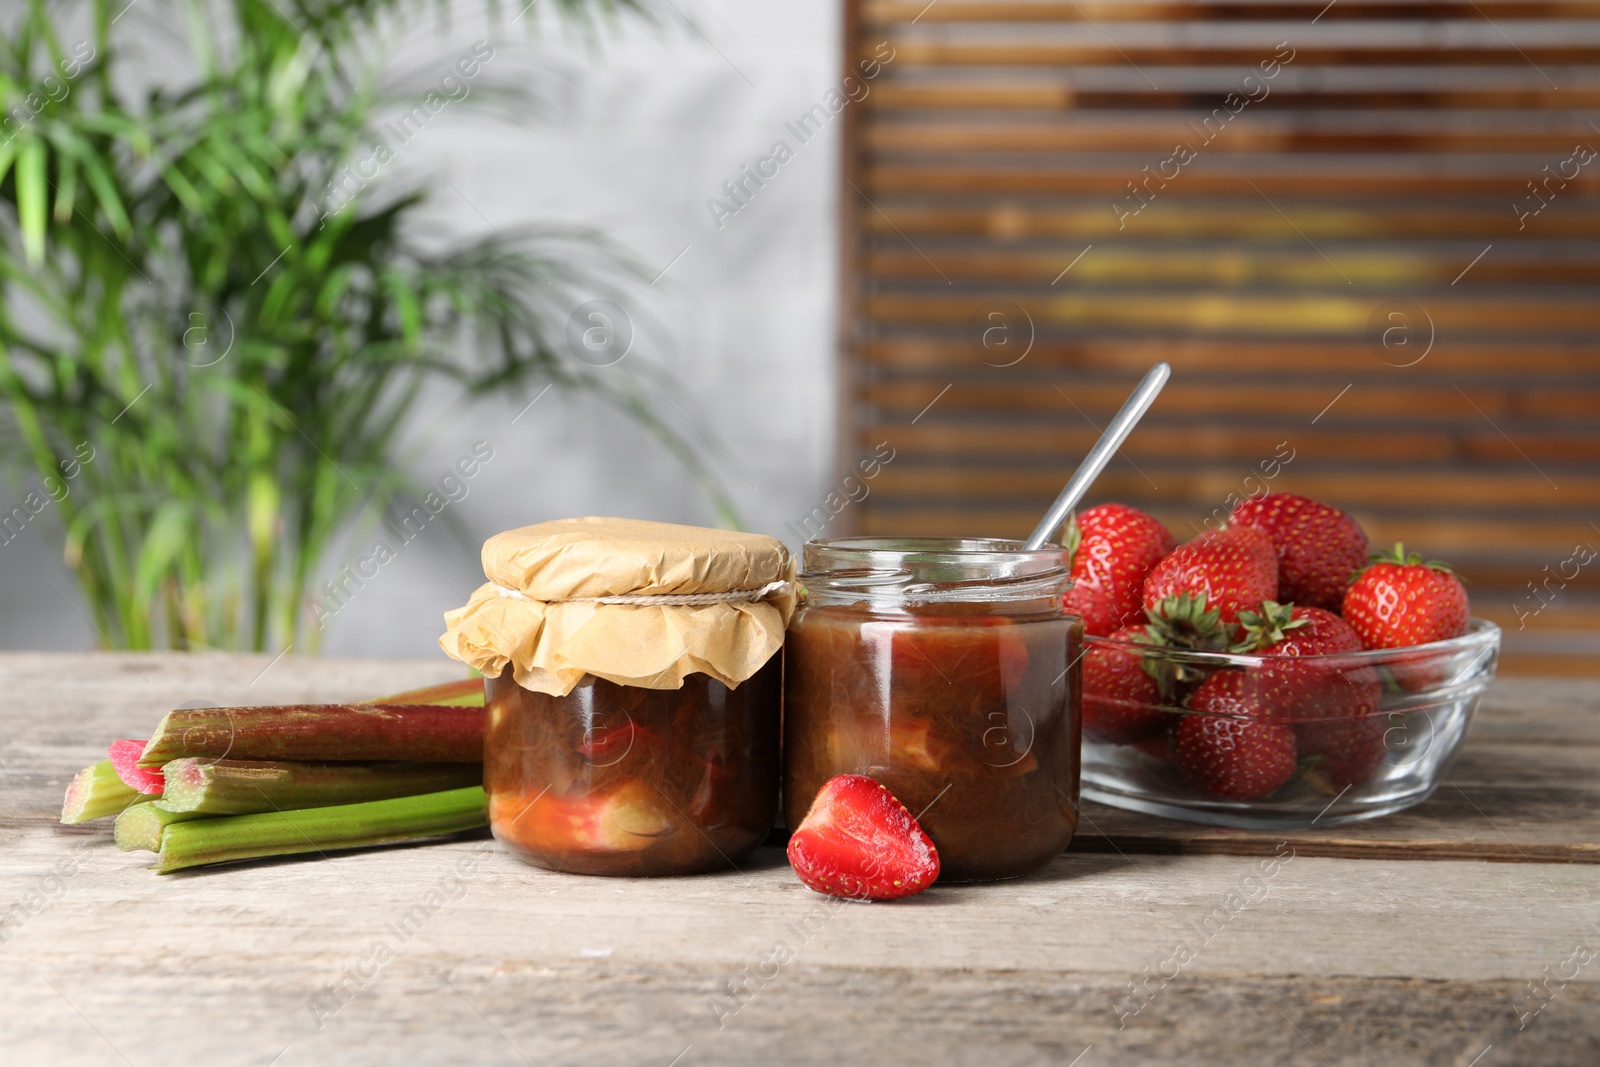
pixel 948 671
pixel 623 780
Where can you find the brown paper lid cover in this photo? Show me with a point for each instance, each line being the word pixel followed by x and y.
pixel 697 600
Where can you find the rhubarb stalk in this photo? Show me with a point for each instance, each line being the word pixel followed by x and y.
pixel 467 693
pixel 282 833
pixel 125 756
pixel 141 826
pixel 353 732
pixel 248 787
pixel 96 792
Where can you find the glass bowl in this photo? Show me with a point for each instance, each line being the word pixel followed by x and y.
pixel 1349 736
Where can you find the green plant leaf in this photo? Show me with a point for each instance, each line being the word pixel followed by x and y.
pixel 244 334
pixel 32 198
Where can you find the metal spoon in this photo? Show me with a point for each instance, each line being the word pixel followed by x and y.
pixel 1101 454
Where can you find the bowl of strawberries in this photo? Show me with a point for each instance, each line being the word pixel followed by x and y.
pixel 1273 672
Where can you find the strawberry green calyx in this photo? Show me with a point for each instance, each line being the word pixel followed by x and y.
pixel 1074 539
pixel 1184 621
pixel 1401 558
pixel 1265 628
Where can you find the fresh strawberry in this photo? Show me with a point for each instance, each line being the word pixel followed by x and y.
pixel 1309 678
pixel 1319 547
pixel 858 841
pixel 1293 630
pixel 1113 548
pixel 1228 757
pixel 1306 672
pixel 1347 752
pixel 1400 601
pixel 1235 567
pixel 1120 698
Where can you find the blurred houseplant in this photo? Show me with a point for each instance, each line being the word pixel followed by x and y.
pixel 196 296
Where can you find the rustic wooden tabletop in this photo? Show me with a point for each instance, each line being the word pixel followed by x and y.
pixel 1466 932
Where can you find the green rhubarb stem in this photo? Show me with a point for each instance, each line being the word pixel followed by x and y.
pixel 96 792
pixel 247 787
pixel 357 732
pixel 141 826
pixel 283 833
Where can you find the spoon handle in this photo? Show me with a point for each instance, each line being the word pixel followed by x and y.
pixel 1101 453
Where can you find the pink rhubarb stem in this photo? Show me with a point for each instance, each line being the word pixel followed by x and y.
pixel 125 760
pixel 337 732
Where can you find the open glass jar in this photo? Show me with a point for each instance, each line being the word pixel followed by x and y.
pixel 947 670
pixel 633 675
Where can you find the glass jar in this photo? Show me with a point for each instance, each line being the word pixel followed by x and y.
pixel 622 780
pixel 947 670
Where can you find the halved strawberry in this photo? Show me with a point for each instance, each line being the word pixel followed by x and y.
pixel 1319 546
pixel 1235 758
pixel 1235 567
pixel 858 841
pixel 1113 548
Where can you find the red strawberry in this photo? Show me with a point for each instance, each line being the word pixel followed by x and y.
pixel 1119 696
pixel 1297 678
pixel 1235 567
pixel 858 841
pixel 1335 704
pixel 1347 752
pixel 1113 548
pixel 1233 758
pixel 1400 601
pixel 1319 547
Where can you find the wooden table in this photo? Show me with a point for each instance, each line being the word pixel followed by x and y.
pixel 1408 940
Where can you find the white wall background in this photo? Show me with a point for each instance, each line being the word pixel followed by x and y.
pixel 644 130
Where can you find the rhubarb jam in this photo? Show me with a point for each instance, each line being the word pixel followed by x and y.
pixel 622 780
pixel 948 671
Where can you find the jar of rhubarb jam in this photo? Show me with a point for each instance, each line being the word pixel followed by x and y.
pixel 947 670
pixel 615 779
pixel 633 677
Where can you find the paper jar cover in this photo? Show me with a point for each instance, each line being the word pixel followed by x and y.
pixel 533 612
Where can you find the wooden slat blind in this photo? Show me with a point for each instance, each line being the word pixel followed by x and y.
pixel 1433 160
